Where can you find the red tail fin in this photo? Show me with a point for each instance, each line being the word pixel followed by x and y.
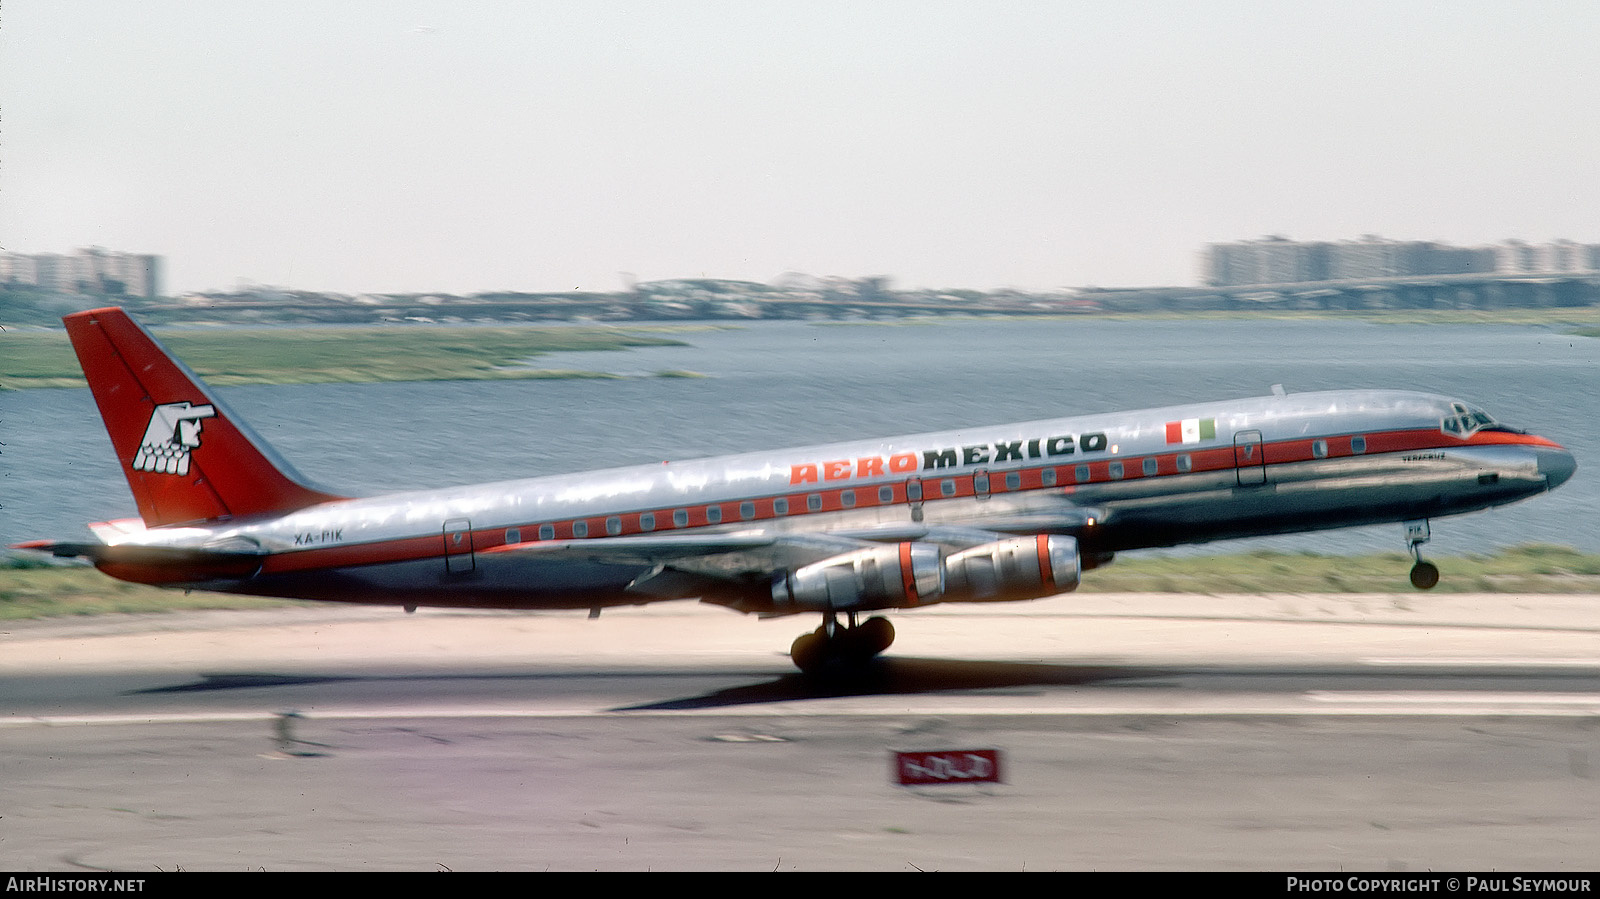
pixel 187 457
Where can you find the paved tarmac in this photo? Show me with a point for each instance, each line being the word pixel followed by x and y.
pixel 1313 732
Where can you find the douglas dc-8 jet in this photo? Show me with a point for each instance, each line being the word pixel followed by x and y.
pixel 980 514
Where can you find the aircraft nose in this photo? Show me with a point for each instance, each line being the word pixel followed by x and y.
pixel 1557 465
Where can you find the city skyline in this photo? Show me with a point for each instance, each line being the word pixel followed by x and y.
pixel 1274 259
pixel 418 147
pixel 1278 259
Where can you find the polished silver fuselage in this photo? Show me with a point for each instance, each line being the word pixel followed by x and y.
pixel 1159 477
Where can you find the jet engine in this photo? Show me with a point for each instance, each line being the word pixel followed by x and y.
pixel 878 577
pixel 912 574
pixel 1016 568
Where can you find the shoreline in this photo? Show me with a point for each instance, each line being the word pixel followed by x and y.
pixel 229 355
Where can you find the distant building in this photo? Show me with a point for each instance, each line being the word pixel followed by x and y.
pixel 1278 260
pixel 93 270
pixel 1515 257
pixel 1271 260
pixel 1567 256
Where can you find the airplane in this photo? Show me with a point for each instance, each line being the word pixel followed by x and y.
pixel 980 514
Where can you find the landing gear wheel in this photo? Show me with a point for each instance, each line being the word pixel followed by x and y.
pixel 844 648
pixel 874 636
pixel 1424 575
pixel 809 652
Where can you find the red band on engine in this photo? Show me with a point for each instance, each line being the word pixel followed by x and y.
pixel 908 578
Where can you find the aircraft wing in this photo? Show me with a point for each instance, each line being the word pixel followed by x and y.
pixel 651 549
pixel 712 566
pixel 770 550
pixel 1067 521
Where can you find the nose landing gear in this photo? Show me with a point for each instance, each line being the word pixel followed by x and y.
pixel 1424 574
pixel 835 646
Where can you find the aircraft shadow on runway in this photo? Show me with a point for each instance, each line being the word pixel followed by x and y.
pixel 882 676
pixel 242 681
pixel 899 675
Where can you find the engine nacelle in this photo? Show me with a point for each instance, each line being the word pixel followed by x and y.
pixel 1017 568
pixel 878 577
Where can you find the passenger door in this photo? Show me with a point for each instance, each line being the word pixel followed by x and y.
pixel 1249 462
pixel 458 546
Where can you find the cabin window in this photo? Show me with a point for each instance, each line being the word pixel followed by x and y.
pixel 747 510
pixel 814 502
pixel 1081 474
pixel 914 491
pixel 1358 445
pixel 980 482
pixel 1185 463
pixel 613 525
pixel 780 506
pixel 947 487
pixel 647 522
pixel 1114 470
pixel 1013 481
pixel 513 535
pixel 580 529
pixel 1048 477
pixel 885 494
pixel 1319 448
pixel 1151 466
pixel 680 518
pixel 547 532
pixel 714 514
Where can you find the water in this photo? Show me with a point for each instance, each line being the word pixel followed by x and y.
pixel 771 385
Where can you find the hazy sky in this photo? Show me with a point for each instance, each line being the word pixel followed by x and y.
pixel 415 146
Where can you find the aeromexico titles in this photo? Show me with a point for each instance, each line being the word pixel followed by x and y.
pixel 995 513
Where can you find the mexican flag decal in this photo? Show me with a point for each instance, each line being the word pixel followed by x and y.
pixel 1191 430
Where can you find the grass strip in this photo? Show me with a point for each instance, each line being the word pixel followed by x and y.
pixel 331 355
pixel 35 589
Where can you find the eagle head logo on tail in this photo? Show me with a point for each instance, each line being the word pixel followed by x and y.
pixel 174 430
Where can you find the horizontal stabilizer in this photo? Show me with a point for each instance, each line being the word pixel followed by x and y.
pixel 158 565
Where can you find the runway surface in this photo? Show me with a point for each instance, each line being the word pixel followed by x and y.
pixel 1406 732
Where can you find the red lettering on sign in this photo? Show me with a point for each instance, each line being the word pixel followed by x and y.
pixel 836 471
pixel 866 468
pixel 802 474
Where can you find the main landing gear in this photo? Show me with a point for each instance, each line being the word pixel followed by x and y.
pixel 1424 574
pixel 836 646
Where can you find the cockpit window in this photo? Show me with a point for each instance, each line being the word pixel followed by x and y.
pixel 1464 421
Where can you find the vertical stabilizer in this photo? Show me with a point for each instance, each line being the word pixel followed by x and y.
pixel 187 457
